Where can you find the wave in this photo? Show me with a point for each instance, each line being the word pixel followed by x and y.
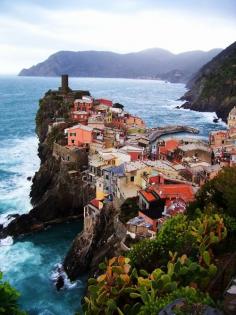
pixel 8 241
pixel 59 274
pixel 18 160
pixel 5 219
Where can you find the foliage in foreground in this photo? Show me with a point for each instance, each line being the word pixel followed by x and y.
pixel 147 280
pixel 122 289
pixel 9 299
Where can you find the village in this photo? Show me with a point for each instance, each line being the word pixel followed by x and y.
pixel 122 159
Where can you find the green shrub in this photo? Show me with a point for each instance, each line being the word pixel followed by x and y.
pixel 9 299
pixel 123 290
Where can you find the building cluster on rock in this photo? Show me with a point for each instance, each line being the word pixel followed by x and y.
pixel 127 160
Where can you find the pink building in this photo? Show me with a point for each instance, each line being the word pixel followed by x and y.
pixel 79 135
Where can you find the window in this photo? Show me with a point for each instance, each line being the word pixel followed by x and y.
pixel 107 176
pixel 72 141
pixel 132 178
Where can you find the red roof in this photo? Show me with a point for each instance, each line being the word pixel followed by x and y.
pixel 95 202
pixel 148 195
pixel 170 145
pixel 183 191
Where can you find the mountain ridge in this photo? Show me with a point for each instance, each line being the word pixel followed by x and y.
pixel 155 63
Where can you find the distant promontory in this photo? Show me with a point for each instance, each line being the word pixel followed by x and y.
pixel 152 63
pixel 213 88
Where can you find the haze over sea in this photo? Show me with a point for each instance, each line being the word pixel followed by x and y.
pixel 28 263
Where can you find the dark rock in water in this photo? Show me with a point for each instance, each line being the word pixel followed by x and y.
pixel 16 215
pixel 60 283
pixel 216 120
pixel 178 107
pixel 100 238
pixel 29 178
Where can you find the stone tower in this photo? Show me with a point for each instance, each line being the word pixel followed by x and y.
pixel 64 83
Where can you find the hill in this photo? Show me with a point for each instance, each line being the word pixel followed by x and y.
pixel 213 88
pixel 151 63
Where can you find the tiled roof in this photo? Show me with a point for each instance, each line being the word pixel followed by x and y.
pixel 148 195
pixel 182 191
pixel 170 145
pixel 79 126
pixel 133 166
pixel 96 203
pixel 194 146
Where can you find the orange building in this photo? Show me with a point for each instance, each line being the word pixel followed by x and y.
pixel 159 200
pixel 134 121
pixel 79 135
pixel 166 149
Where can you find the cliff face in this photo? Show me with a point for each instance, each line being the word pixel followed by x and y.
pixel 100 238
pixel 55 195
pixel 213 88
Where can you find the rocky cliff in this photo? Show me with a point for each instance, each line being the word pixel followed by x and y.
pixel 213 88
pixel 100 238
pixel 55 195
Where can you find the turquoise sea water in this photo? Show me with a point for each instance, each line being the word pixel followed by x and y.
pixel 29 263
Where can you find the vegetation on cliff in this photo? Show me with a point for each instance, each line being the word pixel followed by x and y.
pixel 183 262
pixel 213 88
pixel 9 299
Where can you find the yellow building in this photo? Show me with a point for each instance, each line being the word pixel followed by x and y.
pixel 232 118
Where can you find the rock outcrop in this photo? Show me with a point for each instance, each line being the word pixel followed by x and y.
pixel 100 238
pixel 213 88
pixel 55 195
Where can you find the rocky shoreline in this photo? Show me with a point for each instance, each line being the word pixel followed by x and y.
pixel 213 87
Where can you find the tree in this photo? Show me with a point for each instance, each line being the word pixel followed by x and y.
pixel 9 299
pixel 220 192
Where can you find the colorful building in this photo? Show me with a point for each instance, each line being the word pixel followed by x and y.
pixel 80 117
pixel 166 149
pixel 136 153
pixel 232 118
pixel 79 135
pixel 218 138
pixel 84 104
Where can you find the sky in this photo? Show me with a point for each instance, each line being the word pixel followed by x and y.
pixel 32 30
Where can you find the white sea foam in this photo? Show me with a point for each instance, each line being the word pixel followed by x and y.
pixel 5 219
pixel 13 258
pixel 59 272
pixel 19 158
pixel 8 241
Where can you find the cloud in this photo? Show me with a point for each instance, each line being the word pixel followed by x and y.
pixel 30 33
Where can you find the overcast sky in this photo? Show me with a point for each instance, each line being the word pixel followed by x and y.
pixel 30 31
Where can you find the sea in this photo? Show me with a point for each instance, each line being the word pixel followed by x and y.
pixel 29 262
